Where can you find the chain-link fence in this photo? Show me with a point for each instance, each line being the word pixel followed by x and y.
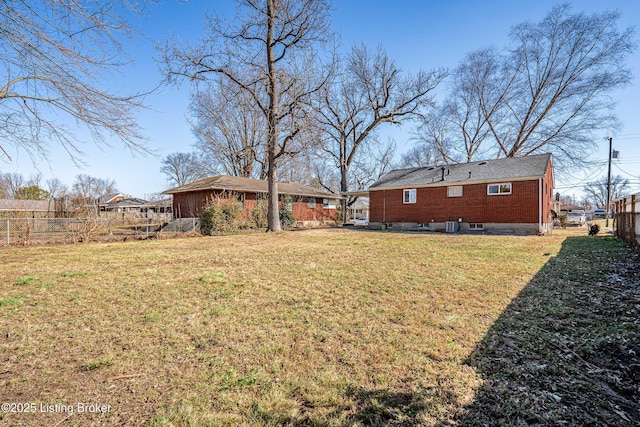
pixel 21 231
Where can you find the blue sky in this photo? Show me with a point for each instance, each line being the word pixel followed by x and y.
pixel 416 34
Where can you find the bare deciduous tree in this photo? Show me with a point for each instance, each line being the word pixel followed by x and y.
pixel 90 188
pixel 548 92
pixel 435 134
pixel 231 131
pixel 596 191
pixel 418 156
pixel 460 126
pixel 10 183
pixel 371 163
pixel 55 57
pixel 183 168
pixel 371 90
pixel 566 66
pixel 267 52
pixel 56 188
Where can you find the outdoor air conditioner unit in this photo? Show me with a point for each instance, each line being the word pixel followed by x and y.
pixel 451 226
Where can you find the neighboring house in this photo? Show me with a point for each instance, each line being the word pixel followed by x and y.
pixel 564 208
pixel 109 199
pixel 137 206
pixel 129 204
pixel 512 195
pixel 310 205
pixel 15 208
pixel 359 209
pixel 161 205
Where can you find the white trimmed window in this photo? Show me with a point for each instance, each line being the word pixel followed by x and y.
pixel 454 191
pixel 329 203
pixel 494 189
pixel 409 196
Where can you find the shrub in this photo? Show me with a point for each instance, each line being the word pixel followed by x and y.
pixel 259 214
pixel 222 214
pixel 563 220
pixel 286 212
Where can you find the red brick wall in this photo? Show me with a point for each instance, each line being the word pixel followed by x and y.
pixel 475 205
pixel 189 205
pixel 302 211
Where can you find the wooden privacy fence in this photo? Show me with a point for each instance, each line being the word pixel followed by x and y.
pixel 628 219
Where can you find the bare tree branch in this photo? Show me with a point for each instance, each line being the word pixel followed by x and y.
pixel 183 168
pixel 370 91
pixel 549 92
pixel 55 58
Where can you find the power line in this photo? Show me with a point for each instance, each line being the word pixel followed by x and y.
pixel 625 172
pixel 569 187
pixel 627 134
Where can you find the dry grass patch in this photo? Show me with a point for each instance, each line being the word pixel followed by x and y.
pixel 322 327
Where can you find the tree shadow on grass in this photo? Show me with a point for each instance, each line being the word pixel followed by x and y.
pixel 566 351
pixel 380 407
pixel 385 408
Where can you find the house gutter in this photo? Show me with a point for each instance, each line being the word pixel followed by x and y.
pixel 540 205
pixel 384 206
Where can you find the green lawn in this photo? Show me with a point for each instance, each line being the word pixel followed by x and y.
pixel 322 327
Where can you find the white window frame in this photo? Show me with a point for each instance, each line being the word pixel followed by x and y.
pixel 454 191
pixel 413 196
pixel 476 226
pixel 329 204
pixel 500 191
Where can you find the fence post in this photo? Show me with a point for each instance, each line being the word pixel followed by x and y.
pixel 8 239
pixel 147 227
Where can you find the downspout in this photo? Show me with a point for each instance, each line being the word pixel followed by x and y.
pixel 540 205
pixel 384 206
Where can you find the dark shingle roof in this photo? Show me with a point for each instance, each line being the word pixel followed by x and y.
pixel 131 202
pixel 512 168
pixel 248 185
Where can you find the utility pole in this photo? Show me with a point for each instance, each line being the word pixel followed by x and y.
pixel 609 181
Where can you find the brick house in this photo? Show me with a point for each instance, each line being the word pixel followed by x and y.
pixel 512 195
pixel 310 206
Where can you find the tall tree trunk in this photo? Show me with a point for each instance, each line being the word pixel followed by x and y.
pixel 273 211
pixel 344 187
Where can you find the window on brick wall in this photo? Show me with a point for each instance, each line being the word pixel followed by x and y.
pixel 329 203
pixel 495 189
pixel 476 226
pixel 454 191
pixel 311 203
pixel 409 196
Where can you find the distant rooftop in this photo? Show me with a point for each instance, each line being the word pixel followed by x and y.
pixel 25 205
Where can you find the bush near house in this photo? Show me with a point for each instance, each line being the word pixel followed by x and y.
pixel 226 214
pixel 223 215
